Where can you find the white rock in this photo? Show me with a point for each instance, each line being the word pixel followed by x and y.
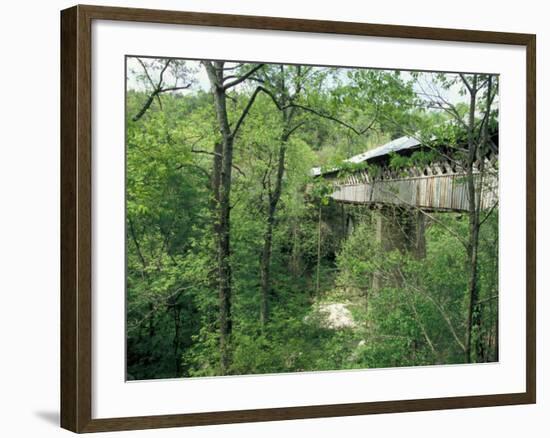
pixel 336 315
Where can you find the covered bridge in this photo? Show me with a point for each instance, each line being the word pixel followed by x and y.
pixel 435 186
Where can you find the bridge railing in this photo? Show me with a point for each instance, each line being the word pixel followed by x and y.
pixel 446 192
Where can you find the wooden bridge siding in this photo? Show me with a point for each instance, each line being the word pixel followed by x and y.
pixel 436 192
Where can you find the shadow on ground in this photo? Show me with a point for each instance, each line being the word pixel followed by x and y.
pixel 51 417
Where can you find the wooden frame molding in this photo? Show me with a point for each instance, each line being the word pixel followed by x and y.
pixel 76 218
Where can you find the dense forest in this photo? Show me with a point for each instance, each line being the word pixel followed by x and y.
pixel 239 260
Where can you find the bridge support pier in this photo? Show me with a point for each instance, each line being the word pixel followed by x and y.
pixel 400 229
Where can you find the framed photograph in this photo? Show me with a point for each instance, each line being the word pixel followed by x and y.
pixel 270 218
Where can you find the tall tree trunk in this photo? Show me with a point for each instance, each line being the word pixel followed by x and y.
pixel 318 275
pixel 176 341
pixel 265 269
pixel 221 183
pixel 473 228
pixel 473 289
pixel 221 179
pixel 224 245
pixel 295 255
pixel 265 262
pixel 475 348
pixel 216 175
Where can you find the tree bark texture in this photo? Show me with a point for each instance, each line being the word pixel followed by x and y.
pixel 473 228
pixel 265 263
pixel 222 181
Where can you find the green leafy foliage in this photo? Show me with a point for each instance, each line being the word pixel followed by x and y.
pixel 389 307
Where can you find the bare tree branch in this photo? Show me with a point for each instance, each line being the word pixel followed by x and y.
pixel 422 327
pixel 246 110
pixel 183 87
pixel 147 73
pixel 488 214
pixel 161 76
pixel 242 78
pixel 157 89
pixel 213 153
pixel 465 81
pixel 194 166
pixel 334 119
pixel 438 307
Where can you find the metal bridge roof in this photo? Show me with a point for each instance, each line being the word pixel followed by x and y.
pixel 396 145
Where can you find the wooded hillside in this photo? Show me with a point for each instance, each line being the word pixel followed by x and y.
pixel 240 262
